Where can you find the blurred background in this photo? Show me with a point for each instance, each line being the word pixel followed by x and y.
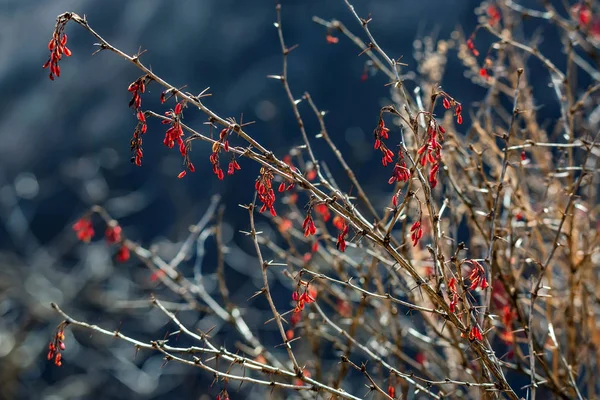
pixel 64 146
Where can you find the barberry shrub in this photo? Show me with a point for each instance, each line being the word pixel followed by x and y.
pixel 475 276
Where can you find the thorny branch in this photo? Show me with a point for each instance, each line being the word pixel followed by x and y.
pixel 464 314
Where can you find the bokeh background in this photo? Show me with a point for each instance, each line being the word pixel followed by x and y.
pixel 64 146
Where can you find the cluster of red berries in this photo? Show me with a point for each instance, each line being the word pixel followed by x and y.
pixel 323 211
pixel 485 70
pixel 331 39
pixel 222 143
pixel 123 254
pixel 453 293
pixel 338 222
pixel 136 88
pixel 341 238
pixel 493 14
pixel 57 344
pixel 381 132
pixel 508 316
pixel 294 321
pixel 431 150
pixel 451 103
pixel 477 276
pixel 494 18
pixel 395 198
pixel 344 308
pixel 57 47
pixel 583 14
pixel 175 132
pixel 84 229
pixel 113 233
pixel 306 374
pixel 283 187
pixel 223 395
pixel 142 120
pixel 401 173
pixel 311 172
pixel 309 295
pixel 265 191
pixel 523 156
pixel 475 334
pixel 174 135
pixel 433 174
pixel 308 226
pixel 214 159
pixel 113 236
pixel 416 232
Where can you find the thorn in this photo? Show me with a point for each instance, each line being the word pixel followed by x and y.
pixel 256 294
